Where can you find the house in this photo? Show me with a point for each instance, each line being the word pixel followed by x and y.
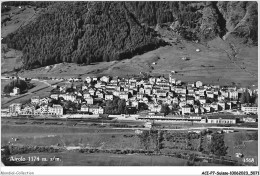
pixel 44 100
pixel 99 94
pixel 139 95
pixel 196 109
pixel 229 105
pixel 92 92
pixel 123 95
pixel 178 82
pixel 132 80
pixel 96 109
pixel 57 109
pixel 222 119
pixel 249 108
pixel 182 103
pixel 78 100
pixel 180 89
pixel 68 97
pixel 84 108
pixel 44 109
pixel 116 93
pixel 108 96
pixel 154 107
pixel 114 80
pixel 222 105
pixel 233 95
pixel 207 107
pixel 210 94
pixel 186 109
pixel 94 78
pixel 198 84
pixel 28 110
pixel 105 79
pixel 152 80
pixel 201 91
pixel 202 100
pixel 195 117
pixel 154 115
pixel 89 100
pixel 54 96
pixel 145 100
pixel 150 86
pixel 190 100
pixel 86 95
pixel 161 93
pixel 141 90
pixel 35 100
pixel 224 93
pixel 214 106
pixel 84 87
pixel 16 91
pixel 221 98
pixel 15 108
pixel 249 119
pixel 191 84
pixel 134 104
pixel 88 79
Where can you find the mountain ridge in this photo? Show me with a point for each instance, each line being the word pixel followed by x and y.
pixel 87 32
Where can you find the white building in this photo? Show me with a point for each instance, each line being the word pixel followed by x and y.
pixel 15 108
pixel 88 79
pixel 35 100
pixel 89 100
pixel 186 109
pixel 16 91
pixel 108 96
pixel 233 95
pixel 104 79
pixel 84 108
pixel 198 84
pixel 248 108
pixel 56 109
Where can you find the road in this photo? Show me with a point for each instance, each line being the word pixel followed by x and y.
pixel 195 128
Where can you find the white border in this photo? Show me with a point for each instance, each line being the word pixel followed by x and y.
pixel 114 171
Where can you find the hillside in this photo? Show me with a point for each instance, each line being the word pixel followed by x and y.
pixel 221 69
pixel 89 32
pixel 82 32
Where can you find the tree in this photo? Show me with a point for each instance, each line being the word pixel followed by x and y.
pixel 122 106
pixel 142 106
pixel 165 109
pixel 217 145
pixel 245 97
pixel 21 84
pixel 145 139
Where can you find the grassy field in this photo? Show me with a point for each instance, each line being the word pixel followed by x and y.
pixel 103 159
pixel 249 149
pixel 18 18
pixel 70 136
pixel 211 65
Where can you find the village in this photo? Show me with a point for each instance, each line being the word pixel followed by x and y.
pixel 149 98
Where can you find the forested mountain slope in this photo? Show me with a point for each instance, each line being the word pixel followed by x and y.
pixel 87 32
pixel 82 32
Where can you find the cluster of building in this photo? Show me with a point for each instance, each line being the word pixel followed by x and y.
pixel 155 92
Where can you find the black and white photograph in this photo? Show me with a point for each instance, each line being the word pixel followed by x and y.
pixel 129 83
